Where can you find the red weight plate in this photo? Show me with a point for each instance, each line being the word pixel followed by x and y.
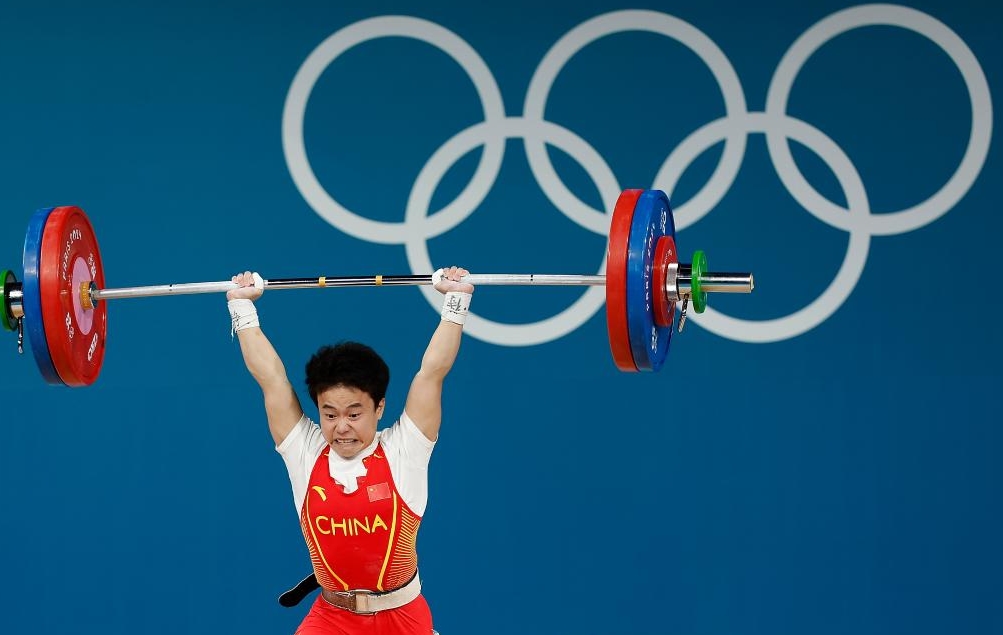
pixel 616 280
pixel 68 259
pixel 665 254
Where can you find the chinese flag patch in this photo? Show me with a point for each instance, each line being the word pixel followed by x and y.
pixel 378 492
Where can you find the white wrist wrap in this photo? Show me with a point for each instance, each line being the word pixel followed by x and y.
pixel 455 307
pixel 243 315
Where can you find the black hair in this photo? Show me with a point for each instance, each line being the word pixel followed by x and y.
pixel 348 364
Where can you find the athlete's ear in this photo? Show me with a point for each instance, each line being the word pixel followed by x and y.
pixel 379 408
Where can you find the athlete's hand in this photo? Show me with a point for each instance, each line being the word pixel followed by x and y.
pixel 250 287
pixel 451 281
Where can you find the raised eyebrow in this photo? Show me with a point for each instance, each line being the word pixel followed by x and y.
pixel 357 404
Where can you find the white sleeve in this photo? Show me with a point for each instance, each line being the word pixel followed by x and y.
pixel 408 452
pixel 300 450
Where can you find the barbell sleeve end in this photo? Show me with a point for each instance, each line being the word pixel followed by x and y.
pixel 716 282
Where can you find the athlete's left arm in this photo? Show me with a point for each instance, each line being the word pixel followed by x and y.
pixel 424 399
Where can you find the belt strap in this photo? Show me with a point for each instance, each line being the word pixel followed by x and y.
pixel 369 602
pixel 295 595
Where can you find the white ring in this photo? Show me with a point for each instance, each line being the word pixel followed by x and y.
pixel 295 109
pixel 886 223
pixel 646 21
pixel 417 246
pixel 841 287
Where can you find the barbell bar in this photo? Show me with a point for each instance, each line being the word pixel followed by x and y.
pixel 60 302
pixel 713 282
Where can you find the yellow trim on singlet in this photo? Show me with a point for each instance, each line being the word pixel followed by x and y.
pixel 316 545
pixel 390 546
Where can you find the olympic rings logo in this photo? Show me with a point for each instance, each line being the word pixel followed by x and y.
pixel 733 129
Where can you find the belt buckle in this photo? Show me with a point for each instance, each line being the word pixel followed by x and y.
pixel 362 603
pixel 358 601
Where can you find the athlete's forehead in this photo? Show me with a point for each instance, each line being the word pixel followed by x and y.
pixel 329 406
pixel 343 397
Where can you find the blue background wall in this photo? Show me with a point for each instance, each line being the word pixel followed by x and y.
pixel 842 477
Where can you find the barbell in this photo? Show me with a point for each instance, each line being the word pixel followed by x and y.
pixel 60 301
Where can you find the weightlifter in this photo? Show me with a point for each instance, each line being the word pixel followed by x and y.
pixel 360 492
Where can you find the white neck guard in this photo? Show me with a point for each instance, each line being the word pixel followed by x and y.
pixel 347 471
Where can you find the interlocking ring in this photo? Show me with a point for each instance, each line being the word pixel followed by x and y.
pixel 733 129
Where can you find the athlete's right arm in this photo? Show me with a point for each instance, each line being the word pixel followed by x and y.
pixel 282 407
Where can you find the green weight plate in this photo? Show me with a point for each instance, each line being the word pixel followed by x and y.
pixel 6 316
pixel 699 268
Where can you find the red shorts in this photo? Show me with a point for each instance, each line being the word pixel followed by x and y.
pixel 414 618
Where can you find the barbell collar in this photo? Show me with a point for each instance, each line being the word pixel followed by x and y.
pixel 15 300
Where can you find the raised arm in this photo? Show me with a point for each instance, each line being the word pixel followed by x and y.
pixel 282 407
pixel 424 399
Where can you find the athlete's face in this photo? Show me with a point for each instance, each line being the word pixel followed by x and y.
pixel 348 419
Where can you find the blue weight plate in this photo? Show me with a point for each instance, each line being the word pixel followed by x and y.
pixel 652 219
pixel 32 299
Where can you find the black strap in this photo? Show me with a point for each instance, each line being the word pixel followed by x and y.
pixel 295 595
